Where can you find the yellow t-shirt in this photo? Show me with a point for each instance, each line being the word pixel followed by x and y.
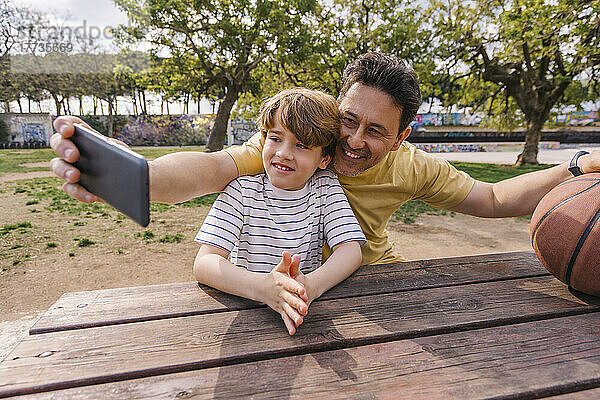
pixel 374 195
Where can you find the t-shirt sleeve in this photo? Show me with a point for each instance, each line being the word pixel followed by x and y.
pixel 340 224
pixel 438 182
pixel 248 156
pixel 224 221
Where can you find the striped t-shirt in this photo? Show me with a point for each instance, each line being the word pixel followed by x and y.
pixel 256 222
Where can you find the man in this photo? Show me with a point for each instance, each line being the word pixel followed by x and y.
pixel 378 170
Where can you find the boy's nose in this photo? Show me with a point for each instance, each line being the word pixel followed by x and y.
pixel 284 153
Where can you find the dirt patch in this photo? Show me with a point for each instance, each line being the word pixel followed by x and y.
pixel 9 177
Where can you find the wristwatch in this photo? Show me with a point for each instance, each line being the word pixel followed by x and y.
pixel 573 168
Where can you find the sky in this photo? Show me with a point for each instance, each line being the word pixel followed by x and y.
pixel 94 12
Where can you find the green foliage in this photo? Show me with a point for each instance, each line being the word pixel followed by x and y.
pixel 147 235
pixel 84 242
pixel 51 245
pixel 216 46
pixel 170 238
pixel 19 227
pixel 528 52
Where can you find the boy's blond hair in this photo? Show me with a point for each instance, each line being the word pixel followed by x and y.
pixel 312 116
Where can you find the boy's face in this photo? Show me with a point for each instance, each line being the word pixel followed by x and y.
pixel 288 162
pixel 369 129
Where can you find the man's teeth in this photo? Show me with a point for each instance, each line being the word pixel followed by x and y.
pixel 351 155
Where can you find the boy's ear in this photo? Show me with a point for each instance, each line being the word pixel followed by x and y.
pixel 325 161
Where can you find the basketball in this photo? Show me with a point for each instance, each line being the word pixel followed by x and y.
pixel 565 232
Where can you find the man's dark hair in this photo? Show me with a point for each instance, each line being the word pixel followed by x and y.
pixel 389 74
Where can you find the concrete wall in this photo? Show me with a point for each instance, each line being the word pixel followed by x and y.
pixel 28 128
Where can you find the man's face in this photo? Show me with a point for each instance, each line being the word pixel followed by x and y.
pixel 369 129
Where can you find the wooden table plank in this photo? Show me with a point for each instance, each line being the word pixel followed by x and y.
pixel 115 306
pixel 580 395
pixel 516 361
pixel 102 354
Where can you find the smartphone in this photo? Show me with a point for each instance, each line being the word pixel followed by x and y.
pixel 117 175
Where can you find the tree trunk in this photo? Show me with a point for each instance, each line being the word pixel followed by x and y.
pixel 216 140
pixel 111 118
pixel 532 141
pixel 57 103
pixel 20 106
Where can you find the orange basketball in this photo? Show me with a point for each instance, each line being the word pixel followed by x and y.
pixel 565 232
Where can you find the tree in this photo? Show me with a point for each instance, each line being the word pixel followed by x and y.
pixel 531 50
pixel 225 40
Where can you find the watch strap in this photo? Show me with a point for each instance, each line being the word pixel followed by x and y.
pixel 573 168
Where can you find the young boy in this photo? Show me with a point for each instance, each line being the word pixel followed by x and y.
pixel 259 219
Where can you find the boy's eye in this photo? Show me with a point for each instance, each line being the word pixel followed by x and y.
pixel 274 138
pixel 301 146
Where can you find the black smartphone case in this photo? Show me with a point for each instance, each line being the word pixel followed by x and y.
pixel 117 175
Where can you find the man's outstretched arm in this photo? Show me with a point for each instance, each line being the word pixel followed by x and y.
pixel 174 178
pixel 520 195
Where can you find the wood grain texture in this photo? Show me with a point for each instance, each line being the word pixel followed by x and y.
pixel 116 306
pixel 103 354
pixel 528 360
pixel 579 395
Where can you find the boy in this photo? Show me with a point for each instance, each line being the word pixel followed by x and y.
pixel 295 205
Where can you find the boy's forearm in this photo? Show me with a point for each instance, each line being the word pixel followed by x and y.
pixel 215 271
pixel 178 177
pixel 344 260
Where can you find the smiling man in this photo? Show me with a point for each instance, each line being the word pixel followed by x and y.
pixel 378 170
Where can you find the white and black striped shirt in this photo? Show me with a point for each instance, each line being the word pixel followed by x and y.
pixel 256 222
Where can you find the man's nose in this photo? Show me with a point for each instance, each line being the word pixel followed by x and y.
pixel 356 139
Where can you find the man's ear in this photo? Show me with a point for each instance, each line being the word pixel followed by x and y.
pixel 401 138
pixel 325 161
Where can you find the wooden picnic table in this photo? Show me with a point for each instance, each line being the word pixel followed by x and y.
pixel 489 326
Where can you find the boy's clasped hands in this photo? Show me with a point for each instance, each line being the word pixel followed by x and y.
pixel 285 291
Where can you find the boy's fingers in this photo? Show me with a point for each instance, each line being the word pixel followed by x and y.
pixel 293 314
pixel 296 303
pixel 291 328
pixel 295 287
pixel 284 265
pixel 295 266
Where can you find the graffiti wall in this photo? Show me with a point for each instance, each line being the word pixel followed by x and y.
pixel 479 147
pixel 584 118
pixel 447 119
pixel 28 128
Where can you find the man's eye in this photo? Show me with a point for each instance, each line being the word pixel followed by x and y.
pixel 348 121
pixel 374 131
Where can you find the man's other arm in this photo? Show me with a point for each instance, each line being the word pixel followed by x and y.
pixel 520 195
